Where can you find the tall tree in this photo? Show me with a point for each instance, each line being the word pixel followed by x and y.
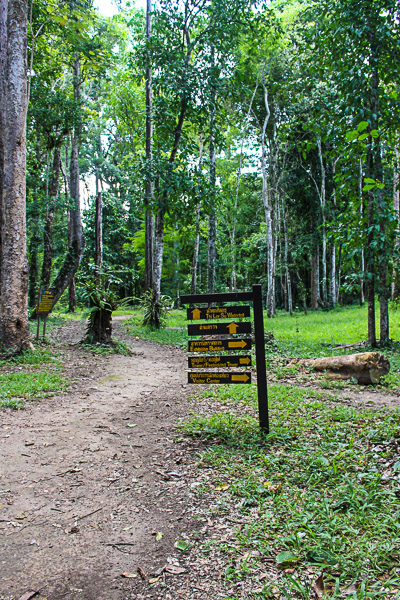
pixel 14 328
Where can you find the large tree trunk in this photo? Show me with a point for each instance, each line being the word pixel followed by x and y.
pixel 14 327
pixel 77 244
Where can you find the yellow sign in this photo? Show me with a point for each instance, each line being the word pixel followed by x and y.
pixel 45 302
pixel 203 377
pixel 220 312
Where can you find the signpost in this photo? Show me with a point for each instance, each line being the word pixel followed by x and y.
pixel 224 312
pixel 219 328
pixel 43 307
pixel 218 377
pixel 231 328
pixel 218 345
pixel 210 362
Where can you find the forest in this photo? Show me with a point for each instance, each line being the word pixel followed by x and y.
pixel 199 147
pixel 202 146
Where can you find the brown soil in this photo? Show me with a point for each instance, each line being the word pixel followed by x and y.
pixel 97 485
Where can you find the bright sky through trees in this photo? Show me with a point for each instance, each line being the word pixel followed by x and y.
pixel 108 8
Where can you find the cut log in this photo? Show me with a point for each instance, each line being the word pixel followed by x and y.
pixel 366 367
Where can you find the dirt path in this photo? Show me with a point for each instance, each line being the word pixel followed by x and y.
pixel 97 482
pixel 89 477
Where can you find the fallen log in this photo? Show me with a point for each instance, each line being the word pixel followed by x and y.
pixel 366 367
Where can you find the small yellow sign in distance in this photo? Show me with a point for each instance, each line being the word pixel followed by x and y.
pixel 45 302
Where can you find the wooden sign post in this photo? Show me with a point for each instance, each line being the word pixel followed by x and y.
pixel 230 328
pixel 43 307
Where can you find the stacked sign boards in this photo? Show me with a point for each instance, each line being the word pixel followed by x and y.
pixel 227 330
pixel 230 326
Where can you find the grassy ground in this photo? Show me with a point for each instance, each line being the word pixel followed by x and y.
pixel 30 376
pixel 311 335
pixel 317 501
pixel 319 496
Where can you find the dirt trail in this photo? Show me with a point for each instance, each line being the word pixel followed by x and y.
pixel 88 477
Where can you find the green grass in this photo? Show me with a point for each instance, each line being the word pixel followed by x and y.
pixel 321 492
pixel 317 332
pixel 165 335
pixel 311 335
pixel 41 355
pixel 19 386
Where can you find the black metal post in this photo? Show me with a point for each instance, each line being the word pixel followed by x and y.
pixel 260 359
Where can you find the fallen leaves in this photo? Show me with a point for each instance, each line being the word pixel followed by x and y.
pixel 181 545
pixel 129 575
pixel 175 570
pixel 28 595
pixel 141 573
pixel 318 587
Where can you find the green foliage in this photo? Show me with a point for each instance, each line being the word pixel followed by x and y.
pixel 155 312
pixel 19 386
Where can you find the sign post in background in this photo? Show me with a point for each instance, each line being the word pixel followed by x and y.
pixel 43 307
pixel 230 328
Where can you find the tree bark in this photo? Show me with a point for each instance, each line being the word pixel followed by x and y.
pixel 98 234
pixel 233 285
pixel 267 208
pixel 149 158
pixel 396 209
pixel 212 219
pixel 314 282
pixel 322 197
pixel 14 327
pixel 360 188
pixel 77 244
pixel 48 225
pixel 286 260
pixel 197 229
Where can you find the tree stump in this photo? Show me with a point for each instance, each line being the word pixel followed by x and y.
pixel 366 367
pixel 99 329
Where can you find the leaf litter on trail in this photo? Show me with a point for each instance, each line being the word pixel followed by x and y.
pixel 318 586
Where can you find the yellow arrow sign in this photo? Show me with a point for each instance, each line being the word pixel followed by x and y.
pixel 232 327
pixel 196 313
pixel 245 361
pixel 243 377
pixel 240 344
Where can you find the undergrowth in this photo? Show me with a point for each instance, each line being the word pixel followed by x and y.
pixel 16 387
pixel 320 494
